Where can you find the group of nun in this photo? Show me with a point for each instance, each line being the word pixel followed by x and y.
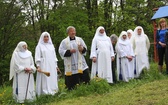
pixel 131 54
pixel 22 68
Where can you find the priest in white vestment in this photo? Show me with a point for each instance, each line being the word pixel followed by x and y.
pixel 141 47
pixel 131 36
pixel 102 54
pixel 72 50
pixel 21 70
pixel 46 60
pixel 124 57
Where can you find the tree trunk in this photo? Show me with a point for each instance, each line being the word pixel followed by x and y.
pixel 94 13
pixel 89 12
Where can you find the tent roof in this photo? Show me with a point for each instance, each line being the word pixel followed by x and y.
pixel 161 13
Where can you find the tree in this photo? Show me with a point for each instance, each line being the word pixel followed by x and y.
pixel 12 20
pixel 92 11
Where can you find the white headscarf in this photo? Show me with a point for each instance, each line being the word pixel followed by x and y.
pixel 123 41
pixel 23 53
pixel 41 40
pixel 136 31
pixel 132 33
pixel 100 36
pixel 49 44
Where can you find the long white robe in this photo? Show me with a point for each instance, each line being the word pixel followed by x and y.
pixel 74 57
pixel 141 46
pixel 45 58
pixel 103 51
pixel 20 79
pixel 132 63
pixel 124 66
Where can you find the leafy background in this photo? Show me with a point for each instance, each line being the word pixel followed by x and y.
pixel 27 19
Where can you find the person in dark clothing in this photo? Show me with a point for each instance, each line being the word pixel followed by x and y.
pixel 166 54
pixel 114 39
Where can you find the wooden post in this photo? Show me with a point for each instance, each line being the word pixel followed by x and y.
pixel 154 35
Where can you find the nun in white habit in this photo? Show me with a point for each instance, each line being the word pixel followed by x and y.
pixel 102 54
pixel 21 70
pixel 141 47
pixel 131 36
pixel 124 57
pixel 46 60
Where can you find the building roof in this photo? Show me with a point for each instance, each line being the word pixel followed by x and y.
pixel 162 12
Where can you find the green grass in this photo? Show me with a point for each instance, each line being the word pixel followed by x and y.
pixel 150 89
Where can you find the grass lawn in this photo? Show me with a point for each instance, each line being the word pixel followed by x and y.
pixel 150 89
pixel 151 93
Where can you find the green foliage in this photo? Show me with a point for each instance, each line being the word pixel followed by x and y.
pixel 97 86
pixel 6 95
pixel 11 20
pixel 69 16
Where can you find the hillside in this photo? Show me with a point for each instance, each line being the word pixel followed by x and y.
pixel 150 89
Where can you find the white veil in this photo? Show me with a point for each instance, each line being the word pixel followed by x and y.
pixel 49 44
pixel 100 36
pixel 23 53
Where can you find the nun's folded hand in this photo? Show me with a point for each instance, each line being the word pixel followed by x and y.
pixel 28 70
